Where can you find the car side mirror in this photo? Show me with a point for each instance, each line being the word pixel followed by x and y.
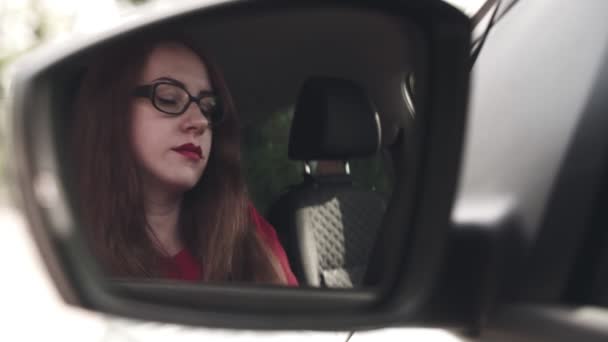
pixel 267 50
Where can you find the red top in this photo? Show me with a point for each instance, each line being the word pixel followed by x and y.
pixel 185 266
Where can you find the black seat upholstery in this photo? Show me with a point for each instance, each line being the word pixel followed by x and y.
pixel 327 224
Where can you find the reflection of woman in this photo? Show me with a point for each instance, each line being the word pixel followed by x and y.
pixel 160 184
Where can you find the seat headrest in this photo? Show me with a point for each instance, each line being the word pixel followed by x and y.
pixel 333 119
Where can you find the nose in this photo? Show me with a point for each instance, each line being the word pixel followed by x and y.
pixel 194 121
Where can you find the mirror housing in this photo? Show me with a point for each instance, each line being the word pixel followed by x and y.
pixel 410 250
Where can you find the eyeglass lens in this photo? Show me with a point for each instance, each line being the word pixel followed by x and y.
pixel 174 100
pixel 170 98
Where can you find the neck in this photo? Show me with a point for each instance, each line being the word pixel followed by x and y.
pixel 162 215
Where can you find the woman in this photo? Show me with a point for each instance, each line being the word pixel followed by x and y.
pixel 159 175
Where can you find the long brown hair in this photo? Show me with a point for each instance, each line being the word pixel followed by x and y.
pixel 214 223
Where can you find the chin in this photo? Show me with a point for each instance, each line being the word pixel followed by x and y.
pixel 185 185
pixel 179 181
pixel 182 184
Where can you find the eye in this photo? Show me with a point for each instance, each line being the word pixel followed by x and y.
pixel 170 97
pixel 207 104
pixel 166 100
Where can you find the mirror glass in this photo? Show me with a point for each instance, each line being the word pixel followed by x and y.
pixel 250 148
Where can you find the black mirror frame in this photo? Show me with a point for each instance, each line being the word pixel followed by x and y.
pixel 402 298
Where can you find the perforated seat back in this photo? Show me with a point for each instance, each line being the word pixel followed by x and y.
pixel 328 225
pixel 328 229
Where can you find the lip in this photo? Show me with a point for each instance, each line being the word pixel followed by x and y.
pixel 189 151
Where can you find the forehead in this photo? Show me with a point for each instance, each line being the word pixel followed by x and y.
pixel 176 61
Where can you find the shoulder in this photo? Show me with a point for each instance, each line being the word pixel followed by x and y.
pixel 264 228
pixel 269 236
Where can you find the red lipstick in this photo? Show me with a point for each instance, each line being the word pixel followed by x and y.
pixel 189 151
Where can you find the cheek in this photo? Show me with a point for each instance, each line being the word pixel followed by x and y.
pixel 207 142
pixel 146 136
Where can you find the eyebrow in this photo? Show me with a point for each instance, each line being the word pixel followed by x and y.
pixel 170 80
pixel 181 84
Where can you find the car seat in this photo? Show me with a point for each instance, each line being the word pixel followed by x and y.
pixel 326 223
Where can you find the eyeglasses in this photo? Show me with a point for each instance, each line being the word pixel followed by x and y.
pixel 173 99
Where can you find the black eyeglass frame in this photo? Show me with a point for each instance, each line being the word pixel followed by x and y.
pixel 149 90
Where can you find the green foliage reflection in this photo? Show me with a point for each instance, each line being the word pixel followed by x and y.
pixel 269 172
